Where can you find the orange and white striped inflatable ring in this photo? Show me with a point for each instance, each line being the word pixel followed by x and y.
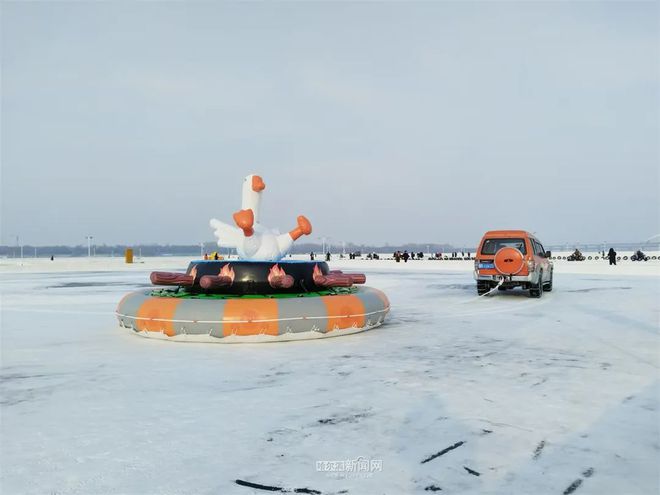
pixel 252 319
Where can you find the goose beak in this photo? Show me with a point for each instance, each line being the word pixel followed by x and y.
pixel 258 184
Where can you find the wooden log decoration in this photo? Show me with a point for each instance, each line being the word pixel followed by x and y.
pixel 169 278
pixel 331 279
pixel 209 282
pixel 278 279
pixel 356 278
pixel 285 282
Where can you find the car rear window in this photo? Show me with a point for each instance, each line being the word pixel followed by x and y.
pixel 491 246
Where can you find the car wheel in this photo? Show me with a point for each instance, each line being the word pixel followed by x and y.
pixel 548 285
pixel 537 291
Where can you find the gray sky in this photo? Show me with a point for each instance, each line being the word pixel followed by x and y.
pixel 382 122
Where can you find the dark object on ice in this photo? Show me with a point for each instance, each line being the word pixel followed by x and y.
pixel 639 256
pixel 268 488
pixel 432 488
pixel 611 254
pixel 311 256
pixel 588 473
pixel 259 486
pixel 472 471
pixel 52 258
pixel 327 256
pixel 405 256
pixel 443 452
pixel 573 486
pixel 576 256
pixel 539 449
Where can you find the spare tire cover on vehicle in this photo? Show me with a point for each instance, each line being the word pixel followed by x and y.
pixel 509 261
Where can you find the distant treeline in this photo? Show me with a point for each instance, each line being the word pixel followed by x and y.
pixel 196 249
pixel 100 250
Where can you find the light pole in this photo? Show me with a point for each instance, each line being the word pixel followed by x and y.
pixel 89 245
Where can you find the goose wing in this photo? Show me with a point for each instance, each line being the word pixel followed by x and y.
pixel 227 235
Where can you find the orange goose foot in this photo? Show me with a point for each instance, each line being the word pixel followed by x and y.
pixel 304 228
pixel 245 221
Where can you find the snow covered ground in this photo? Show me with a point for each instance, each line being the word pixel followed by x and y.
pixel 501 395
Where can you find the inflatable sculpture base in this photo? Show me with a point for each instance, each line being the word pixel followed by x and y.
pixel 253 301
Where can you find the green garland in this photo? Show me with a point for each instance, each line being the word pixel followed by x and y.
pixel 185 294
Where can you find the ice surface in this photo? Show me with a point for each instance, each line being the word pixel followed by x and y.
pixel 503 395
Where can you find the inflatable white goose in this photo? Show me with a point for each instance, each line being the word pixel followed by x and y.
pixel 252 240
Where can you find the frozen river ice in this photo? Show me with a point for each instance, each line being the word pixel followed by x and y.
pixel 456 393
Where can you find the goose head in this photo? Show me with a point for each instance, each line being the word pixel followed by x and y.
pixel 253 186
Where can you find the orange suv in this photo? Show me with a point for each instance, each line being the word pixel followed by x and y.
pixel 512 258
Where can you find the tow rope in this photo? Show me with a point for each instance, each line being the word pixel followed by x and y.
pixel 493 289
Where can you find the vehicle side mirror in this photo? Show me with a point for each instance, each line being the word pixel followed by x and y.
pixel 548 254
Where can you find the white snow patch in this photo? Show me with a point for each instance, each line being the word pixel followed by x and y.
pixel 543 393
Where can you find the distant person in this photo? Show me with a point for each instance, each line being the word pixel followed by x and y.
pixel 327 256
pixel 52 257
pixel 405 256
pixel 206 256
pixel 397 256
pixel 216 256
pixel 412 255
pixel 311 256
pixel 469 255
pixel 611 254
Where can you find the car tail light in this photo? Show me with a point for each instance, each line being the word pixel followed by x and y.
pixel 531 265
pixel 476 264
